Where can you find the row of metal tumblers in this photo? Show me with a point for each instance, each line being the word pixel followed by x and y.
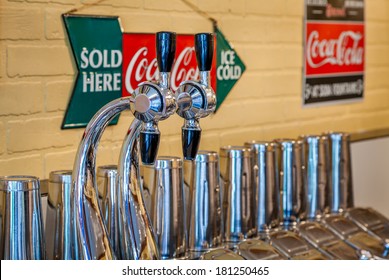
pixel 281 199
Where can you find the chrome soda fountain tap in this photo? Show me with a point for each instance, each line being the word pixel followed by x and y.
pixel 150 103
pixel 157 103
pixel 154 101
pixel 196 99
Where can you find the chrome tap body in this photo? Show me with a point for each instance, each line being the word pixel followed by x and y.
pixel 150 103
pixel 157 103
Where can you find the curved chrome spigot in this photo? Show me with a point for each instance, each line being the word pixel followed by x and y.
pixel 90 238
pixel 150 103
pixel 156 103
pixel 196 100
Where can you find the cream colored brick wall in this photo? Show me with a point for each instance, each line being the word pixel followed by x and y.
pixel 37 75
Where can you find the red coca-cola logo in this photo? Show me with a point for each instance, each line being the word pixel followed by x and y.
pixel 140 63
pixel 334 48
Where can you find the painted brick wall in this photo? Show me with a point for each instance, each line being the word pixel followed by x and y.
pixel 265 104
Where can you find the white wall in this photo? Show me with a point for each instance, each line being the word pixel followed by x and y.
pixel 370 163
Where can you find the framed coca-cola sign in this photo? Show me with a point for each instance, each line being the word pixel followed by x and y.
pixel 334 51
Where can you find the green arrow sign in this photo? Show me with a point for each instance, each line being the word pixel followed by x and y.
pixel 96 43
pixel 97 48
pixel 229 67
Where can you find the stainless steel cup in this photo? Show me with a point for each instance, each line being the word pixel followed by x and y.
pixel 58 216
pixel 341 188
pixel 292 191
pixel 21 226
pixel 266 185
pixel 108 198
pixel 342 203
pixel 316 162
pixel 168 208
pixel 238 194
pixel 204 209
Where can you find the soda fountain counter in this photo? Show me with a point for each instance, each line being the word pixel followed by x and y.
pixel 368 219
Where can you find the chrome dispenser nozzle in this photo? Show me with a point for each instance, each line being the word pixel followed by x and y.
pixel 155 101
pixel 196 100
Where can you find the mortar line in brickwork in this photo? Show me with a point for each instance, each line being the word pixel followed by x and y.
pixel 368 113
pixel 200 12
pixel 85 6
pixel 273 72
pixel 45 149
pixel 263 98
pixel 269 44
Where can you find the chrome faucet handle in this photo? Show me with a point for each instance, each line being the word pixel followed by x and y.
pixel 196 99
pixel 154 101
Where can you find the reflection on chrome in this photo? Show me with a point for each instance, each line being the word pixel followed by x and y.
pixel 150 103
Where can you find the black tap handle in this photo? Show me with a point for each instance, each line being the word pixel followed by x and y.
pixel 204 50
pixel 190 142
pixel 149 143
pixel 166 50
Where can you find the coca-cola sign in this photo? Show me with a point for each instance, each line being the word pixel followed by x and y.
pixel 334 52
pixel 334 48
pixel 140 63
